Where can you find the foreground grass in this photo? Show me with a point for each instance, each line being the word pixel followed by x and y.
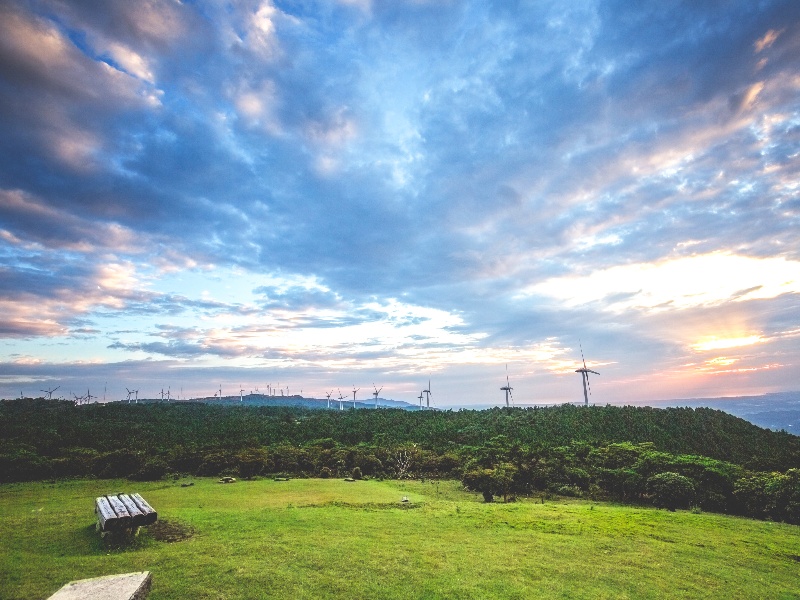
pixel 334 539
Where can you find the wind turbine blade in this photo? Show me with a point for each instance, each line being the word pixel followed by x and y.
pixel 582 358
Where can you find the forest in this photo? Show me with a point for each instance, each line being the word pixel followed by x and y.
pixel 674 458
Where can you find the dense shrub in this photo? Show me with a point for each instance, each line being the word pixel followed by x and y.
pixel 153 469
pixel 671 490
pixel 218 462
pixel 118 463
pixel 24 465
pixel 253 462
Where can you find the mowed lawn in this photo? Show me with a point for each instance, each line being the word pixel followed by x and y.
pixel 333 539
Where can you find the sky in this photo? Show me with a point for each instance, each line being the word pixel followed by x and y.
pixel 316 196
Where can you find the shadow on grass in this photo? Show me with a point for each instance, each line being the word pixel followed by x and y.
pixel 89 542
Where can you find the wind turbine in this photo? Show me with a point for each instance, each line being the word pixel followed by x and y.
pixel 427 393
pixel 162 394
pixel 78 399
pixel 375 393
pixel 241 393
pixel 89 397
pixel 50 392
pixel 329 394
pixel 420 400
pixel 354 395
pixel 507 389
pixel 137 395
pixel 129 395
pixel 585 376
pixel 169 389
pixel 341 400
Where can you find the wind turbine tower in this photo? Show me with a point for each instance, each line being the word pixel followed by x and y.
pixel 50 392
pixel 507 389
pixel 329 394
pixel 427 393
pixel 354 395
pixel 375 393
pixel 420 400
pixel 585 377
pixel 341 400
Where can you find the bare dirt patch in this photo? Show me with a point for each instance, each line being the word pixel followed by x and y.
pixel 170 531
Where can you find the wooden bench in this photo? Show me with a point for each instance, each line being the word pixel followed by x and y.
pixel 123 512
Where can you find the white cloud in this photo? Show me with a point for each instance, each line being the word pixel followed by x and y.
pixel 679 283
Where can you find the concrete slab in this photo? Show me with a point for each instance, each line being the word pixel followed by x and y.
pixel 128 586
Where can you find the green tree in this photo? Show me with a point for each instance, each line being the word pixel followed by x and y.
pixel 671 490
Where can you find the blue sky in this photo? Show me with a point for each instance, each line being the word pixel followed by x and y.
pixel 317 195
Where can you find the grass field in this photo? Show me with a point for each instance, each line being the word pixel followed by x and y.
pixel 334 539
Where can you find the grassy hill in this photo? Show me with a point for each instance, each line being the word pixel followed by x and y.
pixel 332 539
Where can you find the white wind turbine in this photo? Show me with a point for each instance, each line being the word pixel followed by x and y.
pixel 375 393
pixel 341 400
pixel 427 393
pixel 507 389
pixel 328 395
pixel 354 395
pixel 585 377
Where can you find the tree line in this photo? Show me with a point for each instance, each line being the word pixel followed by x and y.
pixel 669 457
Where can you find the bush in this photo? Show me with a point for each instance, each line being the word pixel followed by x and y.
pixel 23 465
pixel 572 491
pixel 356 474
pixel 368 463
pixel 152 470
pixel 119 463
pixel 491 482
pixel 326 473
pixel 253 462
pixel 217 463
pixel 670 490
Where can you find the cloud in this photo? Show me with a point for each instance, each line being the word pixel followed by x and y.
pixel 411 186
pixel 765 42
pixel 679 283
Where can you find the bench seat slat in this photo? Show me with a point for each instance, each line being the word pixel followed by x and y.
pixel 105 514
pixel 123 518
pixel 150 515
pixel 137 516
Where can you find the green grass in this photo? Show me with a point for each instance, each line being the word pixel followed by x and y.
pixel 332 539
